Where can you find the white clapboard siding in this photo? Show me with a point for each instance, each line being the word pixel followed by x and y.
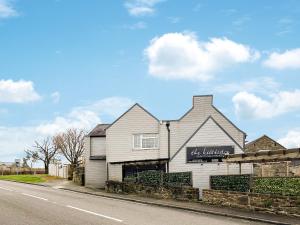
pixel 97 146
pixel 95 170
pixel 119 137
pixel 202 108
pixel 95 173
pixel 115 172
pixel 209 134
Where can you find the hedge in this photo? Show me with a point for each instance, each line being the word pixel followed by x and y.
pixel 178 179
pixel 277 185
pixel 152 178
pixel 159 178
pixel 231 182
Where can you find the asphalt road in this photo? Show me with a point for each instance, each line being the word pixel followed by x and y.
pixel 23 204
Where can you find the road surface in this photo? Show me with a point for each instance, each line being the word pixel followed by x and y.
pixel 23 204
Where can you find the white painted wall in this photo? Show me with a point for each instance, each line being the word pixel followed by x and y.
pixel 210 134
pixel 58 170
pixel 97 146
pixel 95 173
pixel 202 108
pixel 115 172
pixel 95 170
pixel 119 139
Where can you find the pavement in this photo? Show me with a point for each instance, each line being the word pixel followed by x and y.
pixel 183 205
pixel 66 203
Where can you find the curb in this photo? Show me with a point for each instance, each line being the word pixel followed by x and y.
pixel 255 219
pixel 22 182
pixel 183 208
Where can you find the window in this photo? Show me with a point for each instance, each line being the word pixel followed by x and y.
pixel 145 141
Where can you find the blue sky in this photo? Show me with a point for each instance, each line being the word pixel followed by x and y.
pixel 67 63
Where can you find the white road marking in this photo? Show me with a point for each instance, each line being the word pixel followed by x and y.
pixel 6 189
pixel 96 214
pixel 35 197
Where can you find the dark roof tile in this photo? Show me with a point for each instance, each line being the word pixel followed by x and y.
pixel 99 131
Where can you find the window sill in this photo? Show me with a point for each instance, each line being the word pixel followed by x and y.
pixel 144 149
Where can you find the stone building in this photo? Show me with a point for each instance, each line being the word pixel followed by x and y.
pixel 263 143
pixel 271 169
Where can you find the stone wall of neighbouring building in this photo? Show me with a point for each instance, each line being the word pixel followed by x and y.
pixel 277 169
pixel 161 192
pixel 260 202
pixel 263 143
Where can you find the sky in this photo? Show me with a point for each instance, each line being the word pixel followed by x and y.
pixel 73 63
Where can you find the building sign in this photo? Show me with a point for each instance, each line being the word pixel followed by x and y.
pixel 207 153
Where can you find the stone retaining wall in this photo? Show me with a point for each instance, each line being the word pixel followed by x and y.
pixel 260 202
pixel 179 193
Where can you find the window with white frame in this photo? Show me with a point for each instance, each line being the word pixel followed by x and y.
pixel 145 141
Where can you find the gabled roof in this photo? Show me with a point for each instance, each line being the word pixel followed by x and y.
pixel 226 118
pixel 264 137
pixel 215 108
pixel 196 131
pixel 99 131
pixel 136 104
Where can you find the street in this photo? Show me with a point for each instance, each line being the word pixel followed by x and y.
pixel 23 204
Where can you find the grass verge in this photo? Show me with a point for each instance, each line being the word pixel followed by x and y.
pixel 40 178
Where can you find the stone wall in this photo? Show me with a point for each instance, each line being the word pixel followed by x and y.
pixel 263 143
pixel 277 169
pixel 259 202
pixel 160 192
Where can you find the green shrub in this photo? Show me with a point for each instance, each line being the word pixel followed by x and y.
pixel 150 177
pixel 178 179
pixel 231 182
pixel 277 185
pixel 159 178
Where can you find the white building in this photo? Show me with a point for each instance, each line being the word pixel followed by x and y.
pixel 138 141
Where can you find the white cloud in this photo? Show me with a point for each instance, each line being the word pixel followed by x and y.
pixel 17 91
pixel 75 119
pixel 182 56
pixel 136 26
pixel 55 97
pixel 6 9
pixel 264 85
pixel 291 139
pixel 241 21
pixel 86 117
pixel 14 140
pixel 248 105
pixel 174 20
pixel 141 7
pixel 289 59
pixel 285 26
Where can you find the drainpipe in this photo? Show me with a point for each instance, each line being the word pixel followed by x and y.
pixel 168 128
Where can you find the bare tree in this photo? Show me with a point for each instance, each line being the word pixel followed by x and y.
pixel 30 159
pixel 71 145
pixel 25 162
pixel 44 151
